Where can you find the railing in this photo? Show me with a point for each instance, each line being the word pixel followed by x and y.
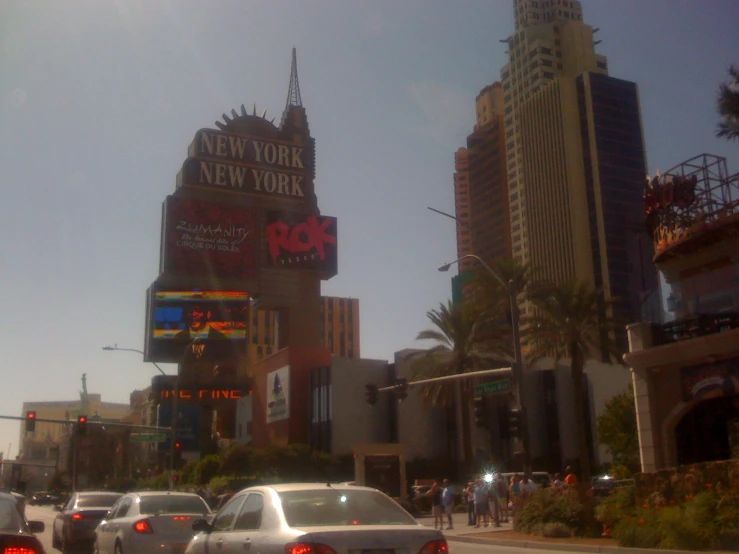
pixel 698 325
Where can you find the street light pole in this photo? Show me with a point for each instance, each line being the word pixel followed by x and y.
pixel 517 366
pixel 115 347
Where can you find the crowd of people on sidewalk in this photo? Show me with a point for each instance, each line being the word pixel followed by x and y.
pixel 489 502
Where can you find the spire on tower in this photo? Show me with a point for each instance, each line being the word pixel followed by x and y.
pixel 293 93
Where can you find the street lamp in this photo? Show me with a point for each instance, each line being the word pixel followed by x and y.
pixel 115 347
pixel 517 366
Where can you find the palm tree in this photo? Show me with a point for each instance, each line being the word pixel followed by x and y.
pixel 459 349
pixel 728 107
pixel 568 322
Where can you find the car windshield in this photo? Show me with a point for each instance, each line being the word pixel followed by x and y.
pixel 166 504
pixel 10 517
pixel 96 500
pixel 332 507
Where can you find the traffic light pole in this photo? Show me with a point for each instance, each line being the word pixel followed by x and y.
pixel 517 368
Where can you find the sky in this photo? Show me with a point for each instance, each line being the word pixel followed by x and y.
pixel 99 101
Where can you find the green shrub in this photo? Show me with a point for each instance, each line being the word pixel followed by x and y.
pixel 550 506
pixel 616 506
pixel 641 531
pixel 555 530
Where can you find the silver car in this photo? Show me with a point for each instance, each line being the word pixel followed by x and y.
pixel 314 519
pixel 144 522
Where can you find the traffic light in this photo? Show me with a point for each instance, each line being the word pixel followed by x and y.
pixel 30 421
pixel 177 446
pixel 515 422
pixel 82 425
pixel 401 390
pixel 482 416
pixel 371 393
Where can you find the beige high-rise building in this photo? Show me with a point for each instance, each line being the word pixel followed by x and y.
pixel 576 161
pixel 551 41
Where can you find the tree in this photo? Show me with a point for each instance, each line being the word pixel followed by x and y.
pixel 570 321
pixel 616 426
pixel 728 106
pixel 459 349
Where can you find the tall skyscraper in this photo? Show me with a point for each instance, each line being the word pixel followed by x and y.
pixel 480 185
pixel 576 162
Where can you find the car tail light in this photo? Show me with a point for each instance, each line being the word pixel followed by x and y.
pixel 181 518
pixel 308 548
pixel 76 517
pixel 438 546
pixel 143 526
pixel 19 550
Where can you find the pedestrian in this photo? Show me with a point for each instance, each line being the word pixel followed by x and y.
pixel 469 493
pixel 528 488
pixel 515 490
pixel 558 483
pixel 447 503
pixel 482 510
pixel 435 494
pixel 494 503
pixel 570 477
pixel 503 496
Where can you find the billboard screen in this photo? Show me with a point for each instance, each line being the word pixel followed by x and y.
pixel 301 241
pixel 278 395
pixel 203 238
pixel 196 324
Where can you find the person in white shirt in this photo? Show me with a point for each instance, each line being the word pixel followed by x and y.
pixel 528 488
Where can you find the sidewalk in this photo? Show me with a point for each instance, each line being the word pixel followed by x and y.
pixel 460 527
pixel 505 536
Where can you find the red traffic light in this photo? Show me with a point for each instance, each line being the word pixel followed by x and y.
pixel 82 419
pixel 177 445
pixel 31 415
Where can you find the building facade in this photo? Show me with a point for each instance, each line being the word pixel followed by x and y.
pixel 480 185
pixel 338 327
pixel 686 372
pixel 46 449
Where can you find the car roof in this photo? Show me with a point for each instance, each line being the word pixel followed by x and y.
pixel 96 493
pixel 286 487
pixel 144 494
pixel 7 496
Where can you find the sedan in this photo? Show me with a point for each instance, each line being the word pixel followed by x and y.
pixel 74 526
pixel 147 522
pixel 314 519
pixel 16 534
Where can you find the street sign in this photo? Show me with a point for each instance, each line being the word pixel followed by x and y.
pixel 494 387
pixel 148 437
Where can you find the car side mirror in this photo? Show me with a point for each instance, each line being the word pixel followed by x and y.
pixel 58 509
pixel 36 526
pixel 201 525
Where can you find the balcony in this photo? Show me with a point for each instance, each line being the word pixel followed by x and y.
pixel 698 325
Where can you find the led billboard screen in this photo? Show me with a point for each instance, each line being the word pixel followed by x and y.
pixel 204 238
pixel 196 324
pixel 301 241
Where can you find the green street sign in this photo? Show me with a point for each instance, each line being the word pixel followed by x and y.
pixel 148 437
pixel 494 387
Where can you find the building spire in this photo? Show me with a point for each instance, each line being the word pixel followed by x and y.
pixel 293 93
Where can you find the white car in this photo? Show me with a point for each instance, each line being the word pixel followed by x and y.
pixel 151 521
pixel 314 519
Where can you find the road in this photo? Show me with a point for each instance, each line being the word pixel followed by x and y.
pixel 47 515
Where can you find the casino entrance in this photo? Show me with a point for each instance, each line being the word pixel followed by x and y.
pixel 709 431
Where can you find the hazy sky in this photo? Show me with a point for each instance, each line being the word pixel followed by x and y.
pixel 100 99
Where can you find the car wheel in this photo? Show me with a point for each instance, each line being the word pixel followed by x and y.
pixel 55 541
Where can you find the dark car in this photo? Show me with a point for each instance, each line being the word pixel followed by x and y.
pixel 74 526
pixel 16 534
pixel 42 498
